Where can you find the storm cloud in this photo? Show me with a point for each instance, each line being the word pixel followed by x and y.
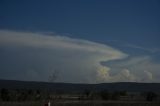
pixel 36 56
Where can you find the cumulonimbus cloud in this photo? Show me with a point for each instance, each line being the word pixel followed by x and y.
pixel 37 56
pixel 137 69
pixel 34 56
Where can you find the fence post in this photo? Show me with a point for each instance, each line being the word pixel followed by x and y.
pixel 47 104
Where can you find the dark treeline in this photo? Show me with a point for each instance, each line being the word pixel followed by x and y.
pixel 20 95
pixel 38 95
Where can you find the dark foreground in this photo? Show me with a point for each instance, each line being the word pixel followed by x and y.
pixel 21 93
pixel 83 103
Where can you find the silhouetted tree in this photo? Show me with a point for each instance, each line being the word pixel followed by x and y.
pixel 22 96
pixel 38 95
pixel 115 95
pixel 87 92
pixel 5 94
pixel 123 93
pixel 105 95
pixel 151 96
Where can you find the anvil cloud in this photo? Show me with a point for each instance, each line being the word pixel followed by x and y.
pixel 36 56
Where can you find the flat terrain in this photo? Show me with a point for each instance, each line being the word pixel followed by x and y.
pixel 83 103
pixel 25 93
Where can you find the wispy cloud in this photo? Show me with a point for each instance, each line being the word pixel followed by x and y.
pixel 151 50
pixel 133 46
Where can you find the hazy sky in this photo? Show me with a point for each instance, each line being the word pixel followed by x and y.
pixel 81 41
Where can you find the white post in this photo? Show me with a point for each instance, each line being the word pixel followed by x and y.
pixel 49 103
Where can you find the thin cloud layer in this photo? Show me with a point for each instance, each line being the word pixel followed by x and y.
pixel 35 56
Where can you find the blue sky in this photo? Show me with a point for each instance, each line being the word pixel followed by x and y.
pixel 126 20
pixel 131 26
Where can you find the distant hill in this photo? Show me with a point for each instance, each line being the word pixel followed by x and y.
pixel 69 87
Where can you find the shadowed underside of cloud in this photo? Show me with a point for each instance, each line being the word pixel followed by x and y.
pixel 36 56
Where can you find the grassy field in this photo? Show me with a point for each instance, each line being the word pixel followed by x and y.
pixel 83 103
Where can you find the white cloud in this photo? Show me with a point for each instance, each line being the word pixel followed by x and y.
pixel 140 69
pixel 149 76
pixel 34 56
pixel 121 76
